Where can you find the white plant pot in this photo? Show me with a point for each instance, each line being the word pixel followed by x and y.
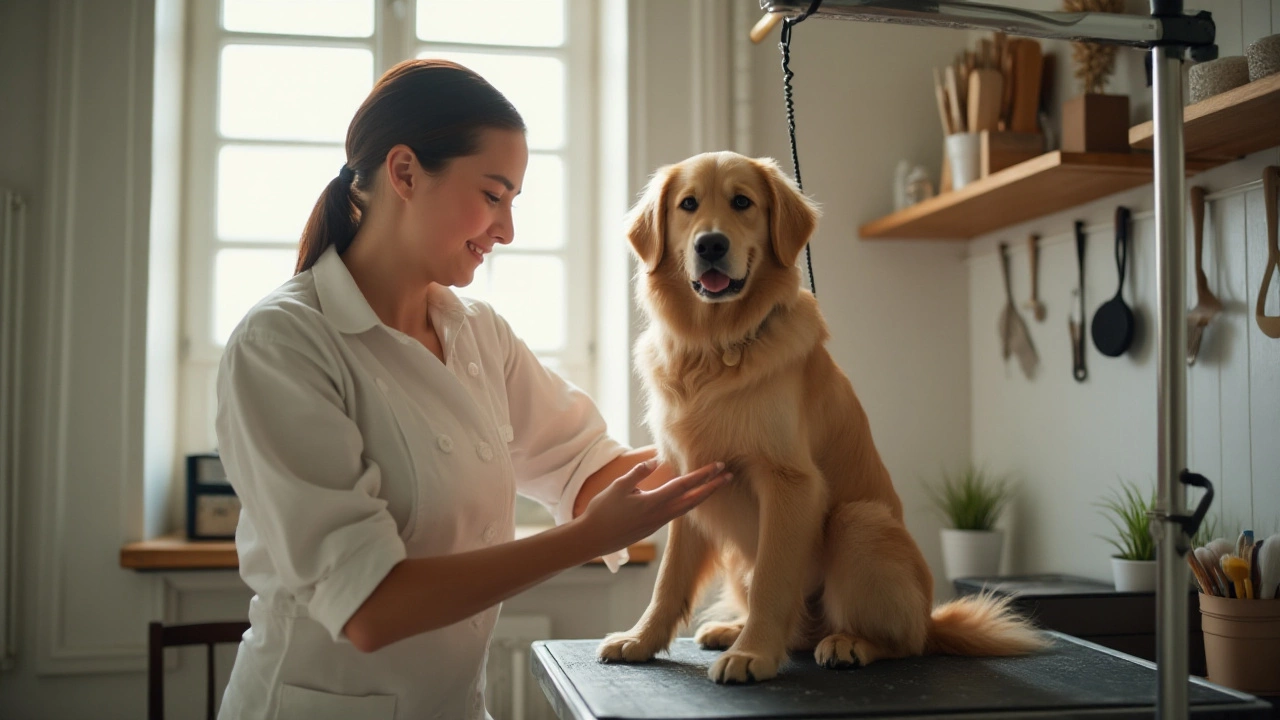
pixel 1134 575
pixel 971 553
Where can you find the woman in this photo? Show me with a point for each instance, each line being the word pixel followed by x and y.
pixel 376 428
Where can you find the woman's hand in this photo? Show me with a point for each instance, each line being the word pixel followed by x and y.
pixel 623 514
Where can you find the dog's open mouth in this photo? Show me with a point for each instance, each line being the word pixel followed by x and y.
pixel 715 284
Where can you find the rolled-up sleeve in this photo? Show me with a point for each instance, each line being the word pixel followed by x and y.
pixel 295 458
pixel 560 437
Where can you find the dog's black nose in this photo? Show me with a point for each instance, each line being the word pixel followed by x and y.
pixel 711 246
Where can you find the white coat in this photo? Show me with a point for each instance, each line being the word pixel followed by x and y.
pixel 352 447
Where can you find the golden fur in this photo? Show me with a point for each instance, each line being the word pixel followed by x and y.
pixel 809 534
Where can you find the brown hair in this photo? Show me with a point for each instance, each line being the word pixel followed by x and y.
pixel 436 107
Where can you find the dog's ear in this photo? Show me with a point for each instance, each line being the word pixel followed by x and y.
pixel 792 216
pixel 647 221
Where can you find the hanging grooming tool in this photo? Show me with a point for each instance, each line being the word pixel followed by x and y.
pixel 1113 323
pixel 1078 369
pixel 1269 325
pixel 1014 338
pixel 1034 305
pixel 1207 304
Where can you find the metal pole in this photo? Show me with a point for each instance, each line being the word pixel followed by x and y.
pixel 1171 383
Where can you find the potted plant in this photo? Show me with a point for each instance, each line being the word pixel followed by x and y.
pixel 1094 121
pixel 1134 564
pixel 971 501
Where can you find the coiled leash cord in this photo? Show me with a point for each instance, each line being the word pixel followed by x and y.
pixel 785 46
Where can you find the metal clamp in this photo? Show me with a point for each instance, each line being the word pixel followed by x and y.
pixel 1190 523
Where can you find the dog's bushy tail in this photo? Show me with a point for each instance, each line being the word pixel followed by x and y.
pixel 981 625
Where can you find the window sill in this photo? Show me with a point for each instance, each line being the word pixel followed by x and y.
pixel 175 552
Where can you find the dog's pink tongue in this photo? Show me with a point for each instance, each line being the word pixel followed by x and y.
pixel 714 281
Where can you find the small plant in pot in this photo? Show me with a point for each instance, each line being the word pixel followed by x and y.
pixel 1134 564
pixel 972 501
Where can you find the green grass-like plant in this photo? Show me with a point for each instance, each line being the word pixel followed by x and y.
pixel 972 499
pixel 1128 511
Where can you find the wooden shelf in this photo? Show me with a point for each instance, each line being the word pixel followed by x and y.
pixel 1037 187
pixel 1226 126
pixel 174 552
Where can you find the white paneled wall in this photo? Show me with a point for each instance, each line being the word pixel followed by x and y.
pixel 1070 442
pixel 1233 407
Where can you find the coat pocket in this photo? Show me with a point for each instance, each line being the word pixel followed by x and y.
pixel 299 703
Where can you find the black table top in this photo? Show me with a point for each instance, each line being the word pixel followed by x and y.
pixel 1072 678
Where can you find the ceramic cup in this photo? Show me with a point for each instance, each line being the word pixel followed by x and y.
pixel 1217 76
pixel 1263 57
pixel 962 154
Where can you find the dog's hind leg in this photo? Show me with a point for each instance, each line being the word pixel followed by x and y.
pixel 724 619
pixel 878 588
pixel 686 565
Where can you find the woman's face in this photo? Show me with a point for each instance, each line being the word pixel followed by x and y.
pixel 456 216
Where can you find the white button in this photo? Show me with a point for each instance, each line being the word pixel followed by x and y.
pixel 405 339
pixel 445 442
pixel 490 533
pixel 475 622
pixel 382 384
pixel 508 434
pixel 486 452
pixel 473 369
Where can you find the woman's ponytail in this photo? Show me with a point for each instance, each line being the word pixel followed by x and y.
pixel 333 220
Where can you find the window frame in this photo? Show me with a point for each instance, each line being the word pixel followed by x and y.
pixel 394 38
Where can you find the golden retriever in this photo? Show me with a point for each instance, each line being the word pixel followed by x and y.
pixel 809 535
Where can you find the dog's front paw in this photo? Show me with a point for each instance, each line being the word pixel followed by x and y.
pixel 718 635
pixel 630 646
pixel 737 666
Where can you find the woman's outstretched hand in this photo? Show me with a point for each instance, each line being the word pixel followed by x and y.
pixel 623 514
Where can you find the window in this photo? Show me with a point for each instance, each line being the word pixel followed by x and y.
pixel 274 84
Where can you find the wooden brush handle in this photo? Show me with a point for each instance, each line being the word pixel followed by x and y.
pixel 1033 252
pixel 1270 326
pixel 1197 222
pixel 764 25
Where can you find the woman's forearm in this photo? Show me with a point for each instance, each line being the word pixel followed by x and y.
pixel 616 468
pixel 423 594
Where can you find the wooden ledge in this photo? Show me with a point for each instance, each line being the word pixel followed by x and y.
pixel 174 552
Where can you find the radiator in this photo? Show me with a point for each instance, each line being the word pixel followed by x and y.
pixel 511 693
pixel 12 224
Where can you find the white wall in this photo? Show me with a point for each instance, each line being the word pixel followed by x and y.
pixel 898 312
pixel 1069 442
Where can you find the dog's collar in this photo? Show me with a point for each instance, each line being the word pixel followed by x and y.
pixel 732 354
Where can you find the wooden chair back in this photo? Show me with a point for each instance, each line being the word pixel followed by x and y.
pixel 162 636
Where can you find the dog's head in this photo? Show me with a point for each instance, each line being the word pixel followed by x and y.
pixel 718 223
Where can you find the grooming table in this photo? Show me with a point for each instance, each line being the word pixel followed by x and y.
pixel 1073 678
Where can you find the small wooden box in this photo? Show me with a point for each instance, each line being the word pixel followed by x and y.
pixel 1096 123
pixel 999 150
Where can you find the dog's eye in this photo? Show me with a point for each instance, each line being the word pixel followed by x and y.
pixel 741 202
pixel 689 203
